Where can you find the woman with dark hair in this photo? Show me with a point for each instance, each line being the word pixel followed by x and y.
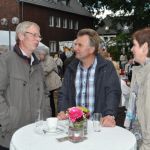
pixel 138 113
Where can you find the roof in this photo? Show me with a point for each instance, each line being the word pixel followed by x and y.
pixel 71 6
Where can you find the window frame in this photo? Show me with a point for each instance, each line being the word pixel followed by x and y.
pixel 51 21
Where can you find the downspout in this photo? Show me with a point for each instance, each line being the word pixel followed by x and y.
pixel 22 11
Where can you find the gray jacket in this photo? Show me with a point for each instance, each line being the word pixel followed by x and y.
pixel 53 81
pixel 21 93
pixel 141 75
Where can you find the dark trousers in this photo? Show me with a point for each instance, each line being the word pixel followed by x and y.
pixel 121 114
pixel 3 148
pixel 52 103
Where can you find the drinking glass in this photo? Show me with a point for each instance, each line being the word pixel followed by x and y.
pixel 96 122
pixel 39 122
pixel 63 125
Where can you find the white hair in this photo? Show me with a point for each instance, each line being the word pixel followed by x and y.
pixel 23 26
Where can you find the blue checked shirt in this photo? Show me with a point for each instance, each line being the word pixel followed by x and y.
pixel 85 88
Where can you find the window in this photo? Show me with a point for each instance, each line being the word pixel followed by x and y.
pixel 52 45
pixel 76 26
pixel 51 21
pixel 70 24
pixel 65 23
pixel 58 23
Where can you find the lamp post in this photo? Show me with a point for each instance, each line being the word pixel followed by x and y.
pixel 105 36
pixel 5 22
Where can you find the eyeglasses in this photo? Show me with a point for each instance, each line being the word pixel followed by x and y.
pixel 35 35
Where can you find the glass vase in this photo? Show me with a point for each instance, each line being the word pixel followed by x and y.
pixel 75 135
pixel 76 132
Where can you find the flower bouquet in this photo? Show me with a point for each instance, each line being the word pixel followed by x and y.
pixel 77 122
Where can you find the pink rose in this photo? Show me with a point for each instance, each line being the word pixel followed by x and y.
pixel 75 113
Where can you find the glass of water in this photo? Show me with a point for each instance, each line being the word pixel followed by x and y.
pixel 96 122
pixel 39 122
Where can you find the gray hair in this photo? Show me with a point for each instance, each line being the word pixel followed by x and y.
pixel 44 51
pixel 23 26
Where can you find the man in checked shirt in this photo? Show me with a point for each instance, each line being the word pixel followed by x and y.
pixel 90 81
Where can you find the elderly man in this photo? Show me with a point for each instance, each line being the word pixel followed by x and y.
pixel 90 80
pixel 22 88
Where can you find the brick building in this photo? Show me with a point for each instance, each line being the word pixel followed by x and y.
pixel 59 20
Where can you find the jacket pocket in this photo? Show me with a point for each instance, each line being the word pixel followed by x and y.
pixel 5 121
pixel 14 117
pixel 8 119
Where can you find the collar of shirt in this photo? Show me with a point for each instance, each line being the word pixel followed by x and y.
pixel 92 65
pixel 32 58
pixel 147 61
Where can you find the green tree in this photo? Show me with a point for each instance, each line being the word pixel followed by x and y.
pixel 122 40
pixel 138 10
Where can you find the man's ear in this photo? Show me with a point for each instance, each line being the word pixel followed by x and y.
pixel 92 49
pixel 20 36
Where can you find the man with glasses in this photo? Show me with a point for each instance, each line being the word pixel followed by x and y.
pixel 22 88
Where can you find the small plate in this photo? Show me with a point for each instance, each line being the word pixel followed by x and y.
pixel 53 132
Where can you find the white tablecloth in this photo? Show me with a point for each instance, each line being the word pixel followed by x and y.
pixel 116 138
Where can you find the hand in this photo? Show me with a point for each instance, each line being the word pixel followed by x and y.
pixel 108 121
pixel 62 115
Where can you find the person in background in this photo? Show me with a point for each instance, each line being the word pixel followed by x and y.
pixel 125 92
pixel 123 60
pixel 138 113
pixel 124 98
pixel 58 61
pixel 128 68
pixel 69 60
pixel 106 55
pixel 90 80
pixel 53 80
pixel 59 64
pixel 22 88
pixel 63 56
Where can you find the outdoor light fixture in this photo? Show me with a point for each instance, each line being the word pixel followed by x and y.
pixel 106 28
pixel 5 22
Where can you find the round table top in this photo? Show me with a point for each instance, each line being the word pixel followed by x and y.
pixel 115 138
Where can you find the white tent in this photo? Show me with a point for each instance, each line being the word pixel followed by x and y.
pixel 4 40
